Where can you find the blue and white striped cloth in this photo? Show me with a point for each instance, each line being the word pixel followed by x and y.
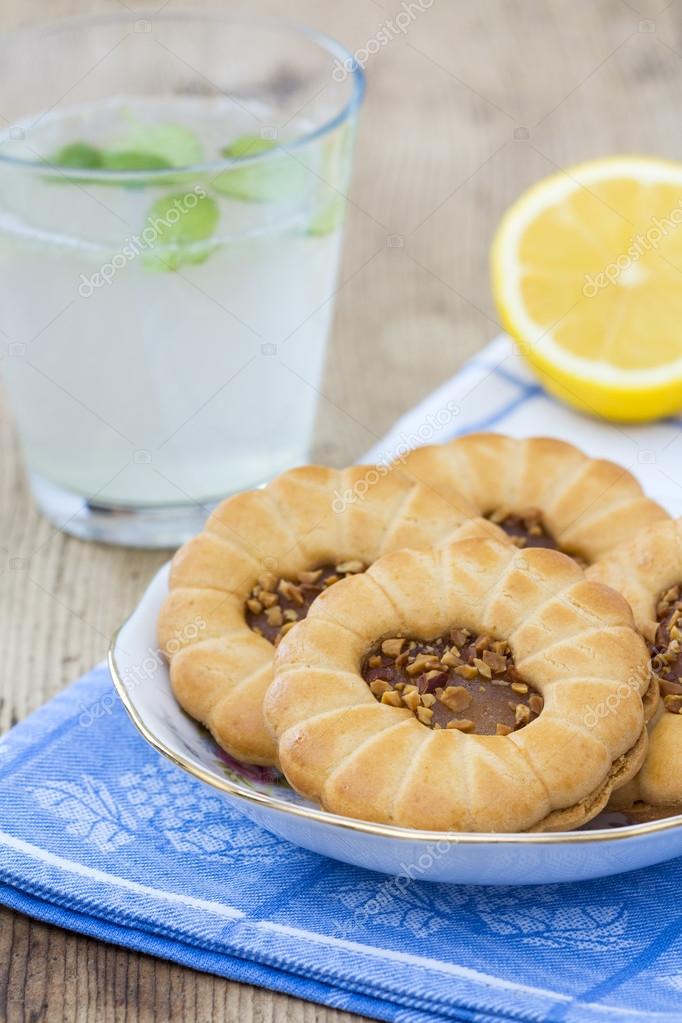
pixel 496 391
pixel 100 835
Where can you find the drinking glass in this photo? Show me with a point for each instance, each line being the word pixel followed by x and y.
pixel 172 197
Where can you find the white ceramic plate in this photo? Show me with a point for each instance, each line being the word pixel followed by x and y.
pixel 141 678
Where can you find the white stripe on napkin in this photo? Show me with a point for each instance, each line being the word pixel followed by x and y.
pixel 496 391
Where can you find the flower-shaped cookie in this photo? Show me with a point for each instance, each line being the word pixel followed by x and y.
pixel 262 559
pixel 466 687
pixel 542 492
pixel 648 572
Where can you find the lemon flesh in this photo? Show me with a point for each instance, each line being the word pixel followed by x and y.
pixel 587 276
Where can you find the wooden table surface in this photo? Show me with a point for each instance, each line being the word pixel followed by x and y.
pixel 469 105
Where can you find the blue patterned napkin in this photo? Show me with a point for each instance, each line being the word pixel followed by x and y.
pixel 100 835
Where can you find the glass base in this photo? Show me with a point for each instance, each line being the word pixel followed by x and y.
pixel 167 526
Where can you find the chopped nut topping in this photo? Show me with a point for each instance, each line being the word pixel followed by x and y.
pixel 522 714
pixel 436 673
pixel 466 670
pixel 350 567
pixel 274 616
pixel 437 685
pixel 275 605
pixel 666 650
pixel 536 703
pixel 450 658
pixel 421 663
pixel 456 698
pixel 462 725
pixel 290 591
pixel 495 661
pixel 483 668
pixel 673 703
pixel 524 528
pixel 412 700
pixel 392 647
pixel 432 680
pixel 309 578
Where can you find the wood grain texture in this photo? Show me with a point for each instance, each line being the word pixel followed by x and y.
pixel 467 107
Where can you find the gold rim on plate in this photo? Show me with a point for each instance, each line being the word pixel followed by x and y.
pixel 370 827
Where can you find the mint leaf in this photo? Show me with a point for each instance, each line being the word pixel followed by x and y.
pixel 177 145
pixel 77 155
pixel 83 156
pixel 278 177
pixel 328 217
pixel 143 148
pixel 247 145
pixel 181 229
pixel 130 160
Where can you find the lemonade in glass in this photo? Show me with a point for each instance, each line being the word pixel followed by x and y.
pixel 172 197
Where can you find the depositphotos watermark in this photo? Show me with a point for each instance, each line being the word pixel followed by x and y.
pixel 640 244
pixel 425 432
pixel 144 671
pixel 386 33
pixel 139 243
pixel 390 891
pixel 635 683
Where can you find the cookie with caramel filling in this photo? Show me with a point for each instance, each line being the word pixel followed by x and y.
pixel 467 687
pixel 542 492
pixel 262 561
pixel 648 572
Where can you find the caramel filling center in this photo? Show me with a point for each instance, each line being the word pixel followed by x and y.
pixel 460 680
pixel 666 650
pixel 527 528
pixel 275 605
pixel 524 528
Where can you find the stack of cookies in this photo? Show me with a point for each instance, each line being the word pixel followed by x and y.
pixel 466 640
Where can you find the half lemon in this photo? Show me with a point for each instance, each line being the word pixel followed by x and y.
pixel 587 276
